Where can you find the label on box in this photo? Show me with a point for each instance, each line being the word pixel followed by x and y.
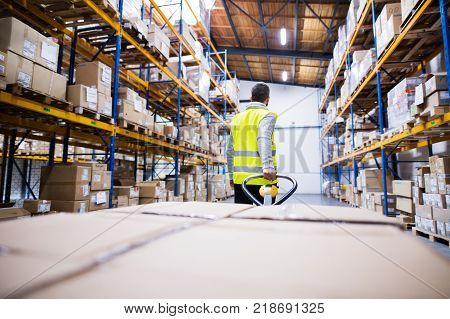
pixel 138 105
pixel 49 53
pixel 82 208
pixel 2 69
pixel 96 178
pixel 85 174
pixel 106 75
pixel 440 228
pixel 85 190
pixel 91 95
pixel 134 192
pixel 2 57
pixel 29 49
pixel 43 208
pixel 24 79
pixel 100 198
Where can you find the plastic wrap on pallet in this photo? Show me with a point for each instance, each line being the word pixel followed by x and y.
pixel 354 76
pixel 387 25
pixel 351 18
pixel 366 63
pixel 400 99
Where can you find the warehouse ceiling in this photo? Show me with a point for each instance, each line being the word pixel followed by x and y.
pixel 250 31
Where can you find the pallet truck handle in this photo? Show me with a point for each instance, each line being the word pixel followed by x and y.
pixel 278 202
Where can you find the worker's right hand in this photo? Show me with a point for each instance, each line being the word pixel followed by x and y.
pixel 270 174
pixel 231 183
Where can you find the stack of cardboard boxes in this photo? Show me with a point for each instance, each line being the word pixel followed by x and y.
pixel 92 90
pixel 158 39
pixel 432 196
pixel 132 108
pixel 38 206
pixel 152 192
pixel 67 186
pixel 29 59
pixel 403 190
pixel 100 186
pixel 370 184
pixel 431 96
pixel 388 25
pixel 121 194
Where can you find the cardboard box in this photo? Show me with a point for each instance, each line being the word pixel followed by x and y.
pixel 133 201
pixel 104 104
pixel 441 228
pixel 121 201
pixel 65 173
pixel 95 74
pixel 82 95
pixel 419 97
pixel 131 112
pixel 402 188
pixel 443 180
pixel 98 200
pixel 434 186
pixel 442 165
pixel 37 206
pixel 129 191
pixel 47 55
pixel 13 213
pixel 441 214
pixel 438 98
pixel 49 82
pixel 3 57
pixel 80 206
pixel 95 166
pixel 66 192
pixel 371 180
pixel 158 39
pixel 18 70
pixel 170 185
pixel 100 180
pixel 424 211
pixel 404 204
pixel 19 38
pixel 437 83
pixel 418 195
pixel 144 201
pixel 151 189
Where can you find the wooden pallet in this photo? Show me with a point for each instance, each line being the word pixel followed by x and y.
pixel 40 97
pixel 93 114
pixel 431 236
pixel 133 127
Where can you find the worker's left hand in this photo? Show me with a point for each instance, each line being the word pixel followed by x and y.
pixel 270 174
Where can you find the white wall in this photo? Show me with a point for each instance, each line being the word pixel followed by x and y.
pixel 297 133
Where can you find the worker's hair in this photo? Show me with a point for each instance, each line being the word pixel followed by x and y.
pixel 260 92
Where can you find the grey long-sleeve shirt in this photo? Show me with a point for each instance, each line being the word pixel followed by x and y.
pixel 265 132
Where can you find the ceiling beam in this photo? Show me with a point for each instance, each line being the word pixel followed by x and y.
pixel 264 31
pixel 308 85
pixel 307 55
pixel 236 36
pixel 315 14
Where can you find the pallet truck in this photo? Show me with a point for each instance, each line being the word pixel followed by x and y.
pixel 269 191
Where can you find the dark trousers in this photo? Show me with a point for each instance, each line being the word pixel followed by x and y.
pixel 241 198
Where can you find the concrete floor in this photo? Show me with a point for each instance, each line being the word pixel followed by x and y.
pixel 316 199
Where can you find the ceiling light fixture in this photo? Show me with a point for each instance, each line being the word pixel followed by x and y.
pixel 284 76
pixel 283 36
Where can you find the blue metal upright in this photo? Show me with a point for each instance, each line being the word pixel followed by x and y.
pixel 73 51
pixel 380 116
pixel 445 37
pixel 180 53
pixel 115 97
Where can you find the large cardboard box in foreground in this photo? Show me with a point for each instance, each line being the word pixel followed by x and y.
pixel 171 252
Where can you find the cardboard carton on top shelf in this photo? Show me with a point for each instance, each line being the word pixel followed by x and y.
pixel 49 82
pixel 37 206
pixel 95 74
pixel 82 95
pixel 47 54
pixel 80 206
pixel 19 38
pixel 18 70
pixel 438 82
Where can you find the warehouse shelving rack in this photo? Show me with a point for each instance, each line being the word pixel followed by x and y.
pixel 405 55
pixel 55 125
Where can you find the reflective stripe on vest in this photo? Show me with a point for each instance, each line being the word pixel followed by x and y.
pixel 247 160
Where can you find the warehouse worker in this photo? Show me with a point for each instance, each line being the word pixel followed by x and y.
pixel 251 149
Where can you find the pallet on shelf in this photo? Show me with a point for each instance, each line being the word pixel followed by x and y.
pixel 431 236
pixel 93 114
pixel 133 126
pixel 30 94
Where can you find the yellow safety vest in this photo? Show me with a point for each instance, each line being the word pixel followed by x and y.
pixel 246 160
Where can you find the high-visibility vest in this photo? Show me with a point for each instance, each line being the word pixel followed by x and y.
pixel 247 160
